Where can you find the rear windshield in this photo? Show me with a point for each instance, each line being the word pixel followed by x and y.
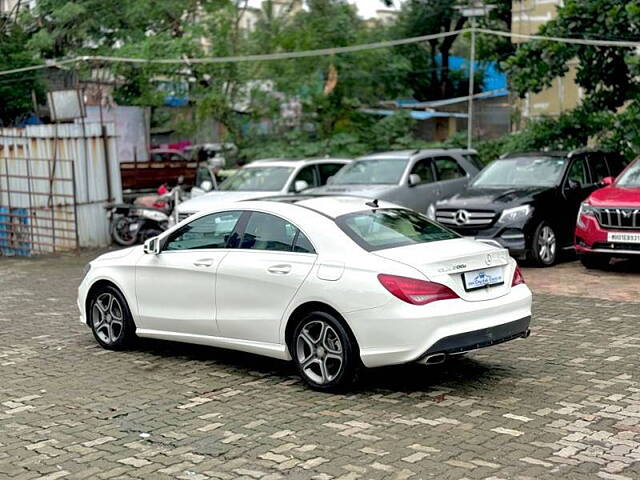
pixel 391 227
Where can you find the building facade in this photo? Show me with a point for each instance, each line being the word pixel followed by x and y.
pixel 527 18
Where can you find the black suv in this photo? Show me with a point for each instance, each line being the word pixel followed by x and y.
pixel 529 202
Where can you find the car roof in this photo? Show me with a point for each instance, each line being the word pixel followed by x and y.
pixel 405 154
pixel 535 154
pixel 293 162
pixel 329 206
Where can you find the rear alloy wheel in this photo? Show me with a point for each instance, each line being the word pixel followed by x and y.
pixel 545 245
pixel 110 319
pixel 323 352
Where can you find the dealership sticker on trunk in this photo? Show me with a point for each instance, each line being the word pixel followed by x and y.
pixel 623 237
pixel 483 278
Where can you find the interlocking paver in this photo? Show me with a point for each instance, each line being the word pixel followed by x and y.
pixel 564 403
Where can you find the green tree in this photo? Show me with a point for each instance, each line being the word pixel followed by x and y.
pixel 16 89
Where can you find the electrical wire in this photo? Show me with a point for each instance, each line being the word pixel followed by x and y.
pixel 322 52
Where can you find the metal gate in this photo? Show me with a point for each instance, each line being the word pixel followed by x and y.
pixel 38 210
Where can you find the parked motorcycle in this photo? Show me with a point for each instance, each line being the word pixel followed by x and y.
pixel 147 217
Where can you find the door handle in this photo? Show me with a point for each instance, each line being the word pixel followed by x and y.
pixel 205 262
pixel 282 269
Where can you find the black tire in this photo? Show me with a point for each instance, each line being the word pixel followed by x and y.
pixel 539 256
pixel 110 319
pixel 322 347
pixel 121 234
pixel 594 262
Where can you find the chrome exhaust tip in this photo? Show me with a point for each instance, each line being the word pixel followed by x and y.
pixel 435 359
pixel 527 333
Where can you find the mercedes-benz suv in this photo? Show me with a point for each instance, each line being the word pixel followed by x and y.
pixel 528 202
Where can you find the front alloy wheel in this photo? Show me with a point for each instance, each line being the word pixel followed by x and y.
pixel 110 319
pixel 545 245
pixel 323 352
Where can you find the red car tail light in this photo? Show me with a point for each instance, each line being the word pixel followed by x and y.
pixel 518 278
pixel 414 291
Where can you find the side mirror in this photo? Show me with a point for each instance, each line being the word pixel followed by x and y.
pixel 152 246
pixel 207 185
pixel 300 185
pixel 414 179
pixel 607 181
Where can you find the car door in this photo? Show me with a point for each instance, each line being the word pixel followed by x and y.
pixel 452 178
pixel 176 288
pixel 575 189
pixel 256 282
pixel 425 193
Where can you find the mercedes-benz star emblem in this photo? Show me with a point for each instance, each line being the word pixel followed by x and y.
pixel 489 259
pixel 461 217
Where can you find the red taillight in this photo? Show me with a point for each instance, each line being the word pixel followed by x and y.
pixel 414 291
pixel 518 278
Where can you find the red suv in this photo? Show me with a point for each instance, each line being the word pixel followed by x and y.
pixel 609 220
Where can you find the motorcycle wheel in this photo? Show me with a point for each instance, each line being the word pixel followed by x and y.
pixel 121 234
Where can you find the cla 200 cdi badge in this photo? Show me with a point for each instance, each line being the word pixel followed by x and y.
pixel 332 283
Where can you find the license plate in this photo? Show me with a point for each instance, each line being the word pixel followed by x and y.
pixel 488 277
pixel 623 237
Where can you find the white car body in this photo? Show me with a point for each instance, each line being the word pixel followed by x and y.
pixel 214 198
pixel 239 299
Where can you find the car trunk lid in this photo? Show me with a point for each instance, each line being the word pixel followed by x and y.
pixel 448 262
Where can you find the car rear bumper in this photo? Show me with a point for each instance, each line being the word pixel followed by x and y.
pixel 486 337
pixel 398 332
pixel 513 238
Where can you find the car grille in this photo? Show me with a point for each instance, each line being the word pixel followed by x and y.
pixel 465 218
pixel 618 217
pixel 634 247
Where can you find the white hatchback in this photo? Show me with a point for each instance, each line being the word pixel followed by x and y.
pixel 332 283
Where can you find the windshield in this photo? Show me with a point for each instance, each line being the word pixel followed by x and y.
pixel 522 172
pixel 391 227
pixel 258 179
pixel 630 177
pixel 384 171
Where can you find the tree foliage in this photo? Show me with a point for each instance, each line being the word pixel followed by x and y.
pixel 605 73
pixel 16 89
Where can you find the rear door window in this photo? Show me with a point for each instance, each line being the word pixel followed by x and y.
pixel 269 232
pixel 448 169
pixel 328 170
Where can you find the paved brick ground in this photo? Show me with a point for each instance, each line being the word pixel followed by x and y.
pixel 564 403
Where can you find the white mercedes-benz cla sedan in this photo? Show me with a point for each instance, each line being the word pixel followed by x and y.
pixel 333 283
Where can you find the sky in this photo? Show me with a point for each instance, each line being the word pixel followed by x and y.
pixel 366 8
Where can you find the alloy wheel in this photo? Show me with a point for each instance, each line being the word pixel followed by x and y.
pixel 108 318
pixel 547 245
pixel 319 352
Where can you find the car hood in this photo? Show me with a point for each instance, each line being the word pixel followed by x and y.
pixel 213 198
pixel 117 254
pixel 494 198
pixel 614 196
pixel 360 190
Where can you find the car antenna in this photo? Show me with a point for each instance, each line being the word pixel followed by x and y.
pixel 373 203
